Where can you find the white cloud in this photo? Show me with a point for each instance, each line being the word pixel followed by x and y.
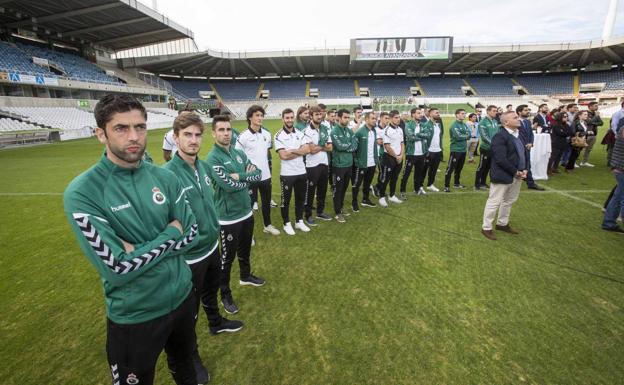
pixel 237 25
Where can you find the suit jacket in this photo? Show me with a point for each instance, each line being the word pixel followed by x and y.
pixel 526 132
pixel 505 160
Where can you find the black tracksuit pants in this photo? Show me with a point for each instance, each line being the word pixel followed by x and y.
pixel 362 178
pixel 432 163
pixel 417 162
pixel 289 183
pixel 342 176
pixel 389 174
pixel 206 275
pixel 317 184
pixel 235 242
pixel 264 187
pixel 485 163
pixel 455 164
pixel 133 349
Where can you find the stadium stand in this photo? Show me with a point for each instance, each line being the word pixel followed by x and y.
pixel 11 125
pixel 547 84
pixel 12 59
pixel 240 90
pixel 334 88
pixel 614 79
pixel 491 86
pixel 285 89
pixel 190 88
pixel 65 118
pixel 438 86
pixel 387 86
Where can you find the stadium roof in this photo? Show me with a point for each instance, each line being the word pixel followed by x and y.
pixel 466 59
pixel 115 25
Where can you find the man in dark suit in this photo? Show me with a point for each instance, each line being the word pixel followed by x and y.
pixel 509 167
pixel 526 136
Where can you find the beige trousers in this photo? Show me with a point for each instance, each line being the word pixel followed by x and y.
pixel 502 196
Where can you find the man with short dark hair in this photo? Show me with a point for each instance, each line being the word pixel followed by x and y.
pixel 317 166
pixel 509 167
pixel 230 173
pixel 541 119
pixel 417 138
pixel 460 133
pixel 204 258
pixel 487 129
pixel 509 108
pixel 593 122
pixel 134 225
pixel 292 145
pixel 366 159
pixel 255 141
pixel 392 160
pixel 434 156
pixel 356 123
pixel 343 145
pixel 526 136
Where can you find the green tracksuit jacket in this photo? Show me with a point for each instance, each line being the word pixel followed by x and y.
pixel 460 133
pixel 200 196
pixel 300 126
pixel 344 143
pixel 487 129
pixel 107 204
pixel 420 138
pixel 231 196
pixel 361 155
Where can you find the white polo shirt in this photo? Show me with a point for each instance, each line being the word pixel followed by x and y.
pixel 394 137
pixel 355 126
pixel 313 160
pixel 169 143
pixel 285 140
pixel 435 141
pixel 370 156
pixel 255 145
pixel 418 146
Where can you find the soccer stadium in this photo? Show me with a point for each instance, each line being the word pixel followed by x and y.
pixel 410 282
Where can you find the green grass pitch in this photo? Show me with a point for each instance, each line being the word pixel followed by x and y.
pixel 412 294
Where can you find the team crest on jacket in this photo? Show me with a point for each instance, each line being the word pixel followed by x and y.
pixel 207 179
pixel 132 379
pixel 158 197
pixel 239 159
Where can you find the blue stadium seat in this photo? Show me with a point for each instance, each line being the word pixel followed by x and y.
pixel 334 88
pixel 240 90
pixel 438 86
pixel 286 89
pixel 491 86
pixel 614 79
pixel 388 86
pixel 547 84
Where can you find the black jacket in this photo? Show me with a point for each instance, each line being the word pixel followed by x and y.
pixel 505 159
pixel 559 136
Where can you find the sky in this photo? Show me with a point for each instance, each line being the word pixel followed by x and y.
pixel 243 25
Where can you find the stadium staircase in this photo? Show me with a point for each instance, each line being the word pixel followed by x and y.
pixel 474 91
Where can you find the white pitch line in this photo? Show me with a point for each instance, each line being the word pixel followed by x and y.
pixel 567 194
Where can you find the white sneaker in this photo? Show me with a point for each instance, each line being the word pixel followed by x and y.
pixel 299 225
pixel 288 229
pixel 253 241
pixel 421 191
pixel 576 165
pixel 273 204
pixel 394 199
pixel 270 229
pixel 433 188
pixel 382 202
pixel 255 206
pixel 587 164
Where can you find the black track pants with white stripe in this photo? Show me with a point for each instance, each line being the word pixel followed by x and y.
pixel 133 349
pixel 417 162
pixel 342 176
pixel 206 275
pixel 265 195
pixel 389 175
pixel 455 164
pixel 485 162
pixel 362 178
pixel 432 162
pixel 235 242
pixel 317 184
pixel 288 183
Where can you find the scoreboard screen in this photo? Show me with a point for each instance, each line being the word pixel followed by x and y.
pixel 402 48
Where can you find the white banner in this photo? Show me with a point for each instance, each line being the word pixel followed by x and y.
pixel 110 73
pixel 40 61
pixel 28 79
pixel 51 81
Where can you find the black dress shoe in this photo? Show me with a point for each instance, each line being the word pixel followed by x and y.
pixel 536 187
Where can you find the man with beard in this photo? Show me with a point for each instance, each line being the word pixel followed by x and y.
pixel 292 146
pixel 366 160
pixel 343 146
pixel 134 225
pixel 230 173
pixel 317 166
pixel 392 160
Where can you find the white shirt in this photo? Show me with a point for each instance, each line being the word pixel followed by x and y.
pixel 255 145
pixel 394 137
pixel 419 144
pixel 353 126
pixel 285 140
pixel 370 157
pixel 435 141
pixel 380 133
pixel 515 133
pixel 313 160
pixel 169 143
